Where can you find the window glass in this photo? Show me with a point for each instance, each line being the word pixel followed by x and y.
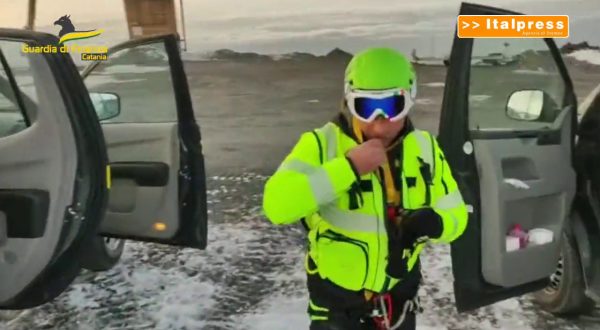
pixel 19 99
pixel 141 78
pixel 514 84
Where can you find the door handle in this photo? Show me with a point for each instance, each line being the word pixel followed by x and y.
pixel 549 138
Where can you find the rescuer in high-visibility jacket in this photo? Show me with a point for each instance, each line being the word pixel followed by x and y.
pixel 371 190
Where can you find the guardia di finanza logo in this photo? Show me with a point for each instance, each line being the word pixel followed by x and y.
pixel 69 33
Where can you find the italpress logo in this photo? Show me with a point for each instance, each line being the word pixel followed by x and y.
pixel 513 26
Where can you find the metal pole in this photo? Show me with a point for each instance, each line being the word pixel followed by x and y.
pixel 30 15
pixel 183 25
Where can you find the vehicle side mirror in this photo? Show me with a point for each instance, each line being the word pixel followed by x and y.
pixel 525 105
pixel 107 105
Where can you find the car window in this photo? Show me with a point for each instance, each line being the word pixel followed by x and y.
pixel 512 73
pixel 141 78
pixel 18 99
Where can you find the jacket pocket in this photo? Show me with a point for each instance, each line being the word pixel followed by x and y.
pixel 342 260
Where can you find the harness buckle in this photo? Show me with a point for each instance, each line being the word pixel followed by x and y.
pixel 382 311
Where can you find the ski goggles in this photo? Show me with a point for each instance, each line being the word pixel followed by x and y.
pixel 393 104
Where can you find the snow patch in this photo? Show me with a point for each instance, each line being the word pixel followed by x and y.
pixel 181 305
pixel 587 55
pixel 196 56
pixel 282 312
pixel 479 98
pixel 539 71
pixel 100 80
pixel 131 68
pixel 279 57
pixel 78 297
pixel 516 183
pixel 431 62
pixel 312 101
pixel 435 84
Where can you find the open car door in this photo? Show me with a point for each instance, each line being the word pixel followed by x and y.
pixel 507 129
pixel 52 170
pixel 158 188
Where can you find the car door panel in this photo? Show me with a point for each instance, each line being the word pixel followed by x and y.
pixel 48 184
pixel 510 170
pixel 159 188
pixel 520 185
pixel 144 167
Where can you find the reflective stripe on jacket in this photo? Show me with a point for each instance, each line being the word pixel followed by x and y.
pixel 348 240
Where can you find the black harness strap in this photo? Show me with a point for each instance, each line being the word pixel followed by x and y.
pixel 426 174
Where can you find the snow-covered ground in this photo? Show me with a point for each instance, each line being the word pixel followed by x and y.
pixel 587 55
pixel 250 278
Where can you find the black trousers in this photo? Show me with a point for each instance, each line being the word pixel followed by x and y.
pixel 348 310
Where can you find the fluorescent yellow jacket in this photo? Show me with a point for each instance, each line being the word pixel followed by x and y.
pixel 347 239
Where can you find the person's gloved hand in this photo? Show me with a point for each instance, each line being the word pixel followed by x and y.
pixel 420 224
pixel 415 225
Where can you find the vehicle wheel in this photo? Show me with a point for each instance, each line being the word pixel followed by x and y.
pixel 103 253
pixel 566 293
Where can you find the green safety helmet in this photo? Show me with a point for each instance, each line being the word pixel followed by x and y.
pixel 380 69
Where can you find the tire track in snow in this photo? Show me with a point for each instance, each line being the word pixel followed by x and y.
pixel 263 253
pixel 163 287
pixel 437 296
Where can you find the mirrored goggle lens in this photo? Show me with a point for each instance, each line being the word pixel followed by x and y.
pixel 392 106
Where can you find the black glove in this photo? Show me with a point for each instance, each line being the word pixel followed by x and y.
pixel 397 258
pixel 421 224
pixel 415 225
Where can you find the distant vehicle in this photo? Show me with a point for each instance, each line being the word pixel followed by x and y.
pixel 493 59
pixel 497 59
pixel 427 60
